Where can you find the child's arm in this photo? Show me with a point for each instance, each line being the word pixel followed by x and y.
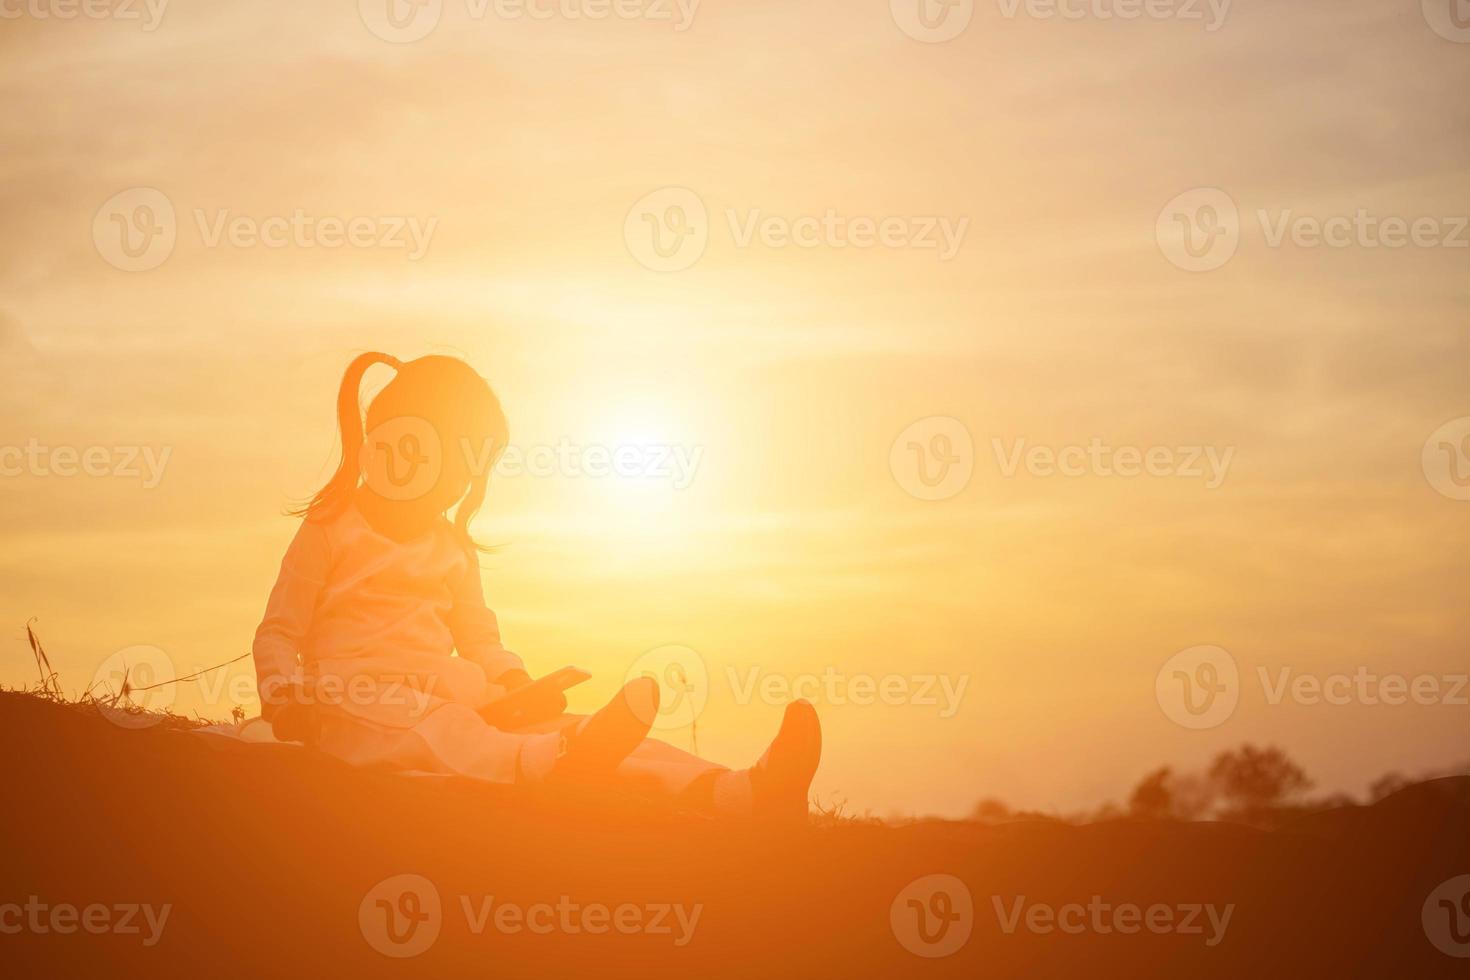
pixel 477 632
pixel 277 647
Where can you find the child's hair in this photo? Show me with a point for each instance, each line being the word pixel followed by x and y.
pixel 443 391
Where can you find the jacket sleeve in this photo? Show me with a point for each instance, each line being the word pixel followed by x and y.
pixel 475 629
pixel 288 612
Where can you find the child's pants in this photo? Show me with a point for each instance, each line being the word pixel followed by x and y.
pixel 453 738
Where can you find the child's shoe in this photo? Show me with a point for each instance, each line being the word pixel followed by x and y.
pixel 779 782
pixel 603 740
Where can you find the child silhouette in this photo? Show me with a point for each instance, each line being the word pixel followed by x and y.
pixel 380 589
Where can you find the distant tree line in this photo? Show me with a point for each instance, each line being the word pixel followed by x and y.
pixel 1253 785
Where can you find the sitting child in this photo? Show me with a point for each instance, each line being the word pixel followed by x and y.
pixel 380 588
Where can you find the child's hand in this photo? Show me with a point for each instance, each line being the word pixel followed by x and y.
pixel 512 679
pixel 291 710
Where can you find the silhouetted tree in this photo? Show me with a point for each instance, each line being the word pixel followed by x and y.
pixel 1152 796
pixel 1255 779
pixel 990 810
pixel 1165 794
pixel 1387 785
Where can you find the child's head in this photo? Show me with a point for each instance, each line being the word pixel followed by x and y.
pixel 432 436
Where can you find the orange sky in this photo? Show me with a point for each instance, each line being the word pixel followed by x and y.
pixel 518 148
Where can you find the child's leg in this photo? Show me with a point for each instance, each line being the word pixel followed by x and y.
pixel 453 738
pixel 659 770
pixel 599 743
pixel 774 788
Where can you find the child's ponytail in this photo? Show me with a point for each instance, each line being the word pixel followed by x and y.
pixel 350 426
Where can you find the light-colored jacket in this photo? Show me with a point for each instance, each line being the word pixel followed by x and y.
pixel 375 623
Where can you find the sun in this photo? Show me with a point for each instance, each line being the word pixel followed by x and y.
pixel 635 462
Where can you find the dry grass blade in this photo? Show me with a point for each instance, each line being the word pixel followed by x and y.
pixel 43 663
pixel 101 698
pixel 122 691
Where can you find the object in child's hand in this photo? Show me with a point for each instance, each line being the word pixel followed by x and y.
pixel 537 701
pixel 294 716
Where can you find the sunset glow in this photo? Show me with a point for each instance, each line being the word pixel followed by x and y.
pixel 704 456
